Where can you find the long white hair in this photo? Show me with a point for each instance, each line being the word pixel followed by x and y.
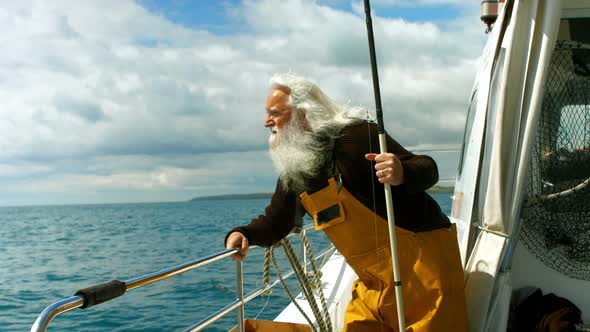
pixel 325 118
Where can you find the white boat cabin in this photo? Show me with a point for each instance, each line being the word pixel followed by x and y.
pixel 522 197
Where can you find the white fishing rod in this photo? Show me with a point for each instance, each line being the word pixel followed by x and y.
pixel 388 202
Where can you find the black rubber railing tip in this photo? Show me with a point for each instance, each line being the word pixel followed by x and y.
pixel 98 294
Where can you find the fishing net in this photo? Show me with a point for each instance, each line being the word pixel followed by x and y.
pixel 556 218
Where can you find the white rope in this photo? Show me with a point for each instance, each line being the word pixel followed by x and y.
pixel 304 282
pixel 307 282
pixel 317 279
pixel 284 284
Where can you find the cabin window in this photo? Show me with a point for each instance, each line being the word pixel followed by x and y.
pixel 467 131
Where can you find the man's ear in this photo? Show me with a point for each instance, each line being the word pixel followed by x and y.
pixel 303 119
pixel 301 115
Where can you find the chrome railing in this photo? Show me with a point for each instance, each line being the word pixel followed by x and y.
pixel 80 301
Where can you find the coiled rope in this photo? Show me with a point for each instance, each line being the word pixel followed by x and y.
pixel 307 281
pixel 317 278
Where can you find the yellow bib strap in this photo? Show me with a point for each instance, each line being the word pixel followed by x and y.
pixel 326 207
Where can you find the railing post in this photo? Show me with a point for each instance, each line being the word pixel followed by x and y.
pixel 304 259
pixel 303 254
pixel 240 295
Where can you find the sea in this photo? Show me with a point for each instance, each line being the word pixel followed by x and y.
pixel 47 253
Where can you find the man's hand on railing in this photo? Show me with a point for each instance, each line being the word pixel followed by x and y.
pixel 237 240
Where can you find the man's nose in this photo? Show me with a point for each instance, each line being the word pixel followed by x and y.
pixel 268 122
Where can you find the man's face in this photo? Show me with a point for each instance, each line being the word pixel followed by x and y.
pixel 278 112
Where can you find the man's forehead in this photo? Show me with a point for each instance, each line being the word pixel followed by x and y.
pixel 282 88
pixel 278 97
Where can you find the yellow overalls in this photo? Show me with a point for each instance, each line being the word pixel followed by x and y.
pixel 430 266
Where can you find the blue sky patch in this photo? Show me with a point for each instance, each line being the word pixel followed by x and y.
pixel 212 16
pixel 215 16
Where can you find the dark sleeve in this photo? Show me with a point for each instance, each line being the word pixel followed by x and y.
pixel 420 171
pixel 276 223
pixel 414 209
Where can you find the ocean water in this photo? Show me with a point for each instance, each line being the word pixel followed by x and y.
pixel 49 252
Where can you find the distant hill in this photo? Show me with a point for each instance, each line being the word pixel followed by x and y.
pixel 440 190
pixel 433 190
pixel 233 196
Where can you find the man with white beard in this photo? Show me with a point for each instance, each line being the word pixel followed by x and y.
pixel 323 153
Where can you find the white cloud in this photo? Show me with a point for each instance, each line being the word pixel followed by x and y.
pixel 85 82
pixel 22 169
pixel 418 3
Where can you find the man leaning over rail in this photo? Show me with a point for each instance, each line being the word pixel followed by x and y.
pixel 324 153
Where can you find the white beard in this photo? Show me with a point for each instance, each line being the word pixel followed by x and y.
pixel 296 155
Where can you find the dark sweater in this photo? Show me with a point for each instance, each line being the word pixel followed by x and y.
pixel 414 209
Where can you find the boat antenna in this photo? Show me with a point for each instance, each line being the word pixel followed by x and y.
pixel 383 147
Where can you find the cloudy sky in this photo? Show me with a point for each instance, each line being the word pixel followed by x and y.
pixel 154 100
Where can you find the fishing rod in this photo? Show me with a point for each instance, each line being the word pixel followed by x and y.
pixel 388 202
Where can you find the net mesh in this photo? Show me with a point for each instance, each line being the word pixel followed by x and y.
pixel 556 219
